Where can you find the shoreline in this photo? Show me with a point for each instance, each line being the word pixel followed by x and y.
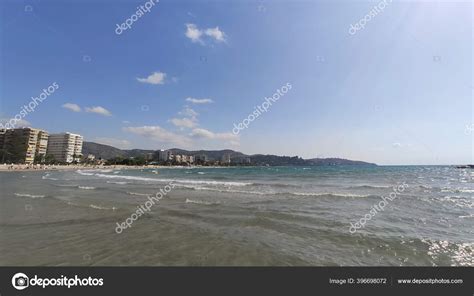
pixel 34 168
pixel 37 167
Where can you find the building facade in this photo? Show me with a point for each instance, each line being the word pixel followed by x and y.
pixel 165 155
pixel 65 147
pixel 23 145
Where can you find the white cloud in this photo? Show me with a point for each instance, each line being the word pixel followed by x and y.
pixel 199 101
pixel 98 110
pixel 401 145
pixel 122 144
pixel 126 122
pixel 396 145
pixel 189 112
pixel 215 33
pixel 154 78
pixel 207 134
pixel 193 33
pixel 72 107
pixel 160 134
pixel 183 122
pixel 5 123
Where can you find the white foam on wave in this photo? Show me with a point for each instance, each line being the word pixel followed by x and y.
pixel 29 195
pixel 86 187
pixel 201 202
pixel 85 173
pixel 46 177
pixel 182 181
pixel 228 190
pixel 139 194
pixel 194 187
pixel 460 201
pixel 329 194
pixel 117 182
pixel 102 208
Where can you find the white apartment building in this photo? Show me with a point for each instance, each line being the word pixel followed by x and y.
pixel 65 147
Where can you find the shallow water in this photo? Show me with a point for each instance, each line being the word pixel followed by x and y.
pixel 239 216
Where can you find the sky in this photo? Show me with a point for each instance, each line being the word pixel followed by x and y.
pixel 390 86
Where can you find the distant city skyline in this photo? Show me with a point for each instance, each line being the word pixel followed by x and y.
pixel 398 91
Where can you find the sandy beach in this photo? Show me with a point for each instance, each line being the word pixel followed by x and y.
pixel 38 167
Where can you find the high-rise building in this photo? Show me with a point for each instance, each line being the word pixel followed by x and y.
pixel 2 144
pixel 42 144
pixel 65 147
pixel 200 159
pixel 165 155
pixel 22 145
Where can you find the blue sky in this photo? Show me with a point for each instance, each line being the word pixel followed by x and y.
pixel 398 91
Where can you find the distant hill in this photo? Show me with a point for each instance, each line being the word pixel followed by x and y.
pixel 102 151
pixel 211 154
pixel 336 161
pixel 108 152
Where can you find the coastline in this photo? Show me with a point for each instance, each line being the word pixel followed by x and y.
pixel 33 168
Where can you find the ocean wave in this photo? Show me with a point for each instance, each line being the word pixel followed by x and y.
pixel 328 194
pixel 86 187
pixel 460 201
pixel 46 177
pixel 182 181
pixel 369 187
pixel 84 173
pixel 29 195
pixel 101 207
pixel 117 182
pixel 228 190
pixel 225 190
pixel 425 187
pixel 459 253
pixel 201 202
pixel 139 194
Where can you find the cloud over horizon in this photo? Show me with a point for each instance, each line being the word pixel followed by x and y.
pixel 73 107
pixel 98 110
pixel 159 134
pixel 195 34
pixel 154 78
pixel 199 101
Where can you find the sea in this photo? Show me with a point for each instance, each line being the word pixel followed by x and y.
pixel 239 216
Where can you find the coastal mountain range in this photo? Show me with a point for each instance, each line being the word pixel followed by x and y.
pixel 108 152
